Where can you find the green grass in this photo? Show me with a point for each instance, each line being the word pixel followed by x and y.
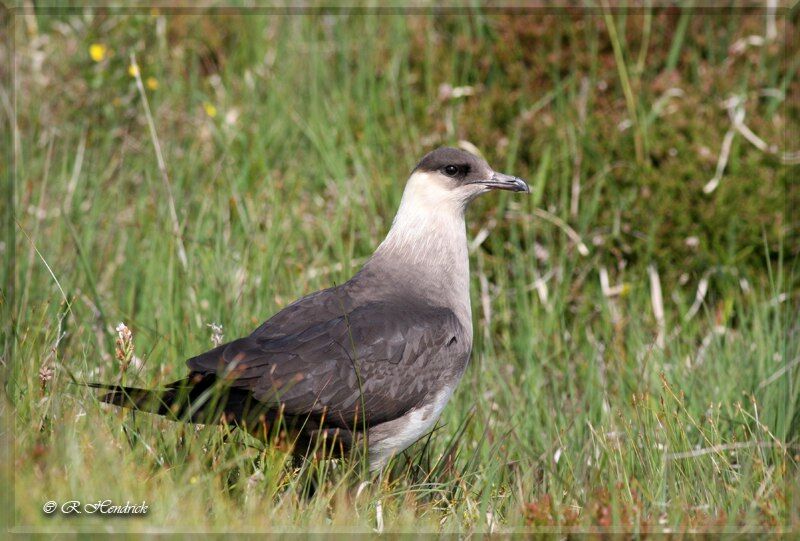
pixel 581 410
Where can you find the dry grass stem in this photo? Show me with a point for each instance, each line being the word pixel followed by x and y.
pixel 722 448
pixel 162 166
pixel 583 97
pixel 561 224
pixel 657 301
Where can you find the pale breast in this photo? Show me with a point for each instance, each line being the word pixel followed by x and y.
pixel 391 438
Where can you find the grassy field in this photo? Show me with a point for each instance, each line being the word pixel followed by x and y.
pixel 635 365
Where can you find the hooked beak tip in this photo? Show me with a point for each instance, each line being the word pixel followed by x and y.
pixel 507 182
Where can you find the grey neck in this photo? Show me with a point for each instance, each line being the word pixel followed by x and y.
pixel 426 254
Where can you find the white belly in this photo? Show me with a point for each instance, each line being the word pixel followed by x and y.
pixel 388 439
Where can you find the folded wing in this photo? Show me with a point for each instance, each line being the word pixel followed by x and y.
pixel 366 359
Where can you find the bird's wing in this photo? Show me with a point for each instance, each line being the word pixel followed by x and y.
pixel 382 358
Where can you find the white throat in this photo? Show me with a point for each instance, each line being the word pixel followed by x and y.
pixel 429 238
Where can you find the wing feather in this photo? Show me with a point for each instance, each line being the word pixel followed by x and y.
pixel 381 357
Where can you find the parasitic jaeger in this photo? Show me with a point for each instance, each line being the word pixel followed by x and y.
pixel 372 361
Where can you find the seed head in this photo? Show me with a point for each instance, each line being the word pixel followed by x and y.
pixel 124 349
pixel 216 333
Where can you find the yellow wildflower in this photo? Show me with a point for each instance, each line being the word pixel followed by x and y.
pixel 133 70
pixel 152 83
pixel 210 109
pixel 97 51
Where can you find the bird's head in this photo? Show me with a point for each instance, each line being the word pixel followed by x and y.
pixel 429 225
pixel 454 177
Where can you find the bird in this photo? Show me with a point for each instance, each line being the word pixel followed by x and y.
pixel 370 363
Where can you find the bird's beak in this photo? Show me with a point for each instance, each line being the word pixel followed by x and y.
pixel 500 181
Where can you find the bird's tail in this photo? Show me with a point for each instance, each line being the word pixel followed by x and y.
pixel 198 399
pixel 204 399
pixel 159 401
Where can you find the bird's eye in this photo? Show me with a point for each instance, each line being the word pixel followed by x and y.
pixel 450 170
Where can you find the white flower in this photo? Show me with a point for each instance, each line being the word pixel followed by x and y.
pixel 216 333
pixel 123 332
pixel 124 349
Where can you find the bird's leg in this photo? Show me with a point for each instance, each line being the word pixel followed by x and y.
pixel 307 478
